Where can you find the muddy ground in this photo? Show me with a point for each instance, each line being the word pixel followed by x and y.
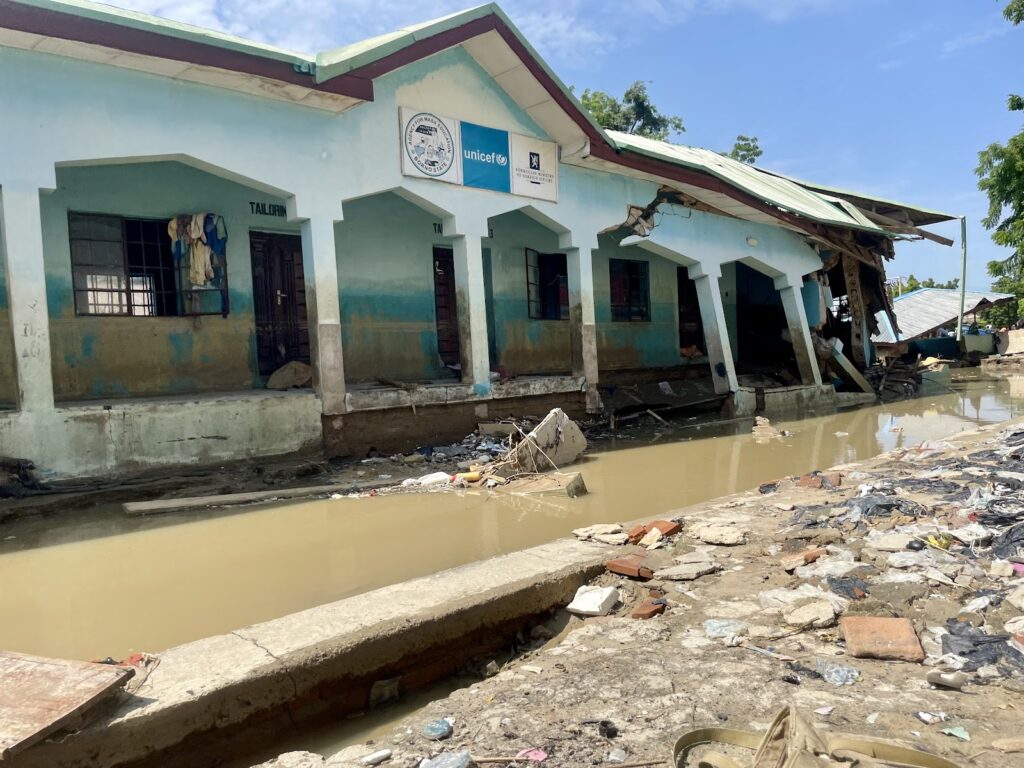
pixel 655 679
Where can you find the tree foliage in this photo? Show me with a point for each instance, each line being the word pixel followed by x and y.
pixel 1006 281
pixel 635 113
pixel 912 284
pixel 746 149
pixel 1001 177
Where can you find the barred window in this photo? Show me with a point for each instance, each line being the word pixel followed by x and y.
pixel 630 290
pixel 547 285
pixel 125 266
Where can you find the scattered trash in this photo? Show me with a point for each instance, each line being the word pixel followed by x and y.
pixel 533 754
pixel 617 756
pixel 837 674
pixel 953 680
pixel 824 711
pixel 932 717
pixel 448 760
pixel 720 629
pixel 958 732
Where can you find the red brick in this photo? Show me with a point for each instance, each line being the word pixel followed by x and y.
pixel 667 527
pixel 834 479
pixel 876 637
pixel 810 481
pixel 648 610
pixel 631 566
pixel 636 533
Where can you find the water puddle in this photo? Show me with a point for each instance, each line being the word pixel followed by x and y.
pixel 102 584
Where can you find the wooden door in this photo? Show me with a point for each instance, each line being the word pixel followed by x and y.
pixel 445 305
pixel 279 300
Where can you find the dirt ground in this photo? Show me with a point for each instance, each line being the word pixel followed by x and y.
pixel 655 679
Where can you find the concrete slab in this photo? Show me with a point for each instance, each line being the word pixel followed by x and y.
pixel 214 686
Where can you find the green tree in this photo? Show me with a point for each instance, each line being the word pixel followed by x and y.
pixel 746 149
pixel 635 113
pixel 913 284
pixel 1006 281
pixel 1001 177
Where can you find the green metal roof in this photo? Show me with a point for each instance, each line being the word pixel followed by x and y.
pixel 144 21
pixel 766 187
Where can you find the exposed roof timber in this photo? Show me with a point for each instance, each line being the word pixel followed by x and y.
pixel 893 225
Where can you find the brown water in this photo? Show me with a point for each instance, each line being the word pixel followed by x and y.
pixel 102 584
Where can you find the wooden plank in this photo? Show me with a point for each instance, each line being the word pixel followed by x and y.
pixel 39 696
pixel 851 370
pixel 252 497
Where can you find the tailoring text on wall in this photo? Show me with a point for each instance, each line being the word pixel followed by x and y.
pixel 471 155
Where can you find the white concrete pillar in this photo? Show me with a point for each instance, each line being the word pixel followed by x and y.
pixel 583 326
pixel 789 288
pixel 320 265
pixel 471 304
pixel 716 333
pixel 22 232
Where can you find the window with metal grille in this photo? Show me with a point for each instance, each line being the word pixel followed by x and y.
pixel 125 266
pixel 630 290
pixel 547 285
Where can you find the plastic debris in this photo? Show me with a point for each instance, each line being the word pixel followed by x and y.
pixel 376 758
pixel 448 760
pixel 837 674
pixel 958 732
pixel 720 629
pixel 617 756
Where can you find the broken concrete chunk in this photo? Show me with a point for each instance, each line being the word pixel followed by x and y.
pixel 562 483
pixel 599 529
pixel 721 535
pixel 697 556
pixel 877 637
pixel 814 613
pixel 687 571
pixel 615 539
pixel 652 538
pixel 889 542
pixel 1016 598
pixel 593 601
pixel 554 443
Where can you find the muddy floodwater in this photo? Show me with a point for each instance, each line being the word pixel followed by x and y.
pixel 99 584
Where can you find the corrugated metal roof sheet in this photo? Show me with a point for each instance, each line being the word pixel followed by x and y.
pixel 767 187
pixel 925 309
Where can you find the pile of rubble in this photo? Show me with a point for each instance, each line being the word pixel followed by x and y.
pixel 496 454
pixel 886 598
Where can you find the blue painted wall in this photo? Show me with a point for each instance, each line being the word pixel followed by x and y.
pixel 97 357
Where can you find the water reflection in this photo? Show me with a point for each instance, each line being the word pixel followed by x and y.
pixel 108 585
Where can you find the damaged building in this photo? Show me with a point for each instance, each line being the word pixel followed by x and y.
pixel 429 220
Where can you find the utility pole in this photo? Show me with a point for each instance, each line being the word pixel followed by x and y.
pixel 963 277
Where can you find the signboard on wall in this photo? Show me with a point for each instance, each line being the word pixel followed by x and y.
pixel 485 161
pixel 459 152
pixel 430 146
pixel 534 168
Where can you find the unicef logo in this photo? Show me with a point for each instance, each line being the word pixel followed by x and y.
pixel 429 144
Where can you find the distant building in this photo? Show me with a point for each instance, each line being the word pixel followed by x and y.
pixel 429 219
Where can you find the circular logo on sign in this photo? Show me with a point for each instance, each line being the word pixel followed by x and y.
pixel 429 144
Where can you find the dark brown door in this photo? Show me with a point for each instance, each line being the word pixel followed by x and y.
pixel 444 303
pixel 279 299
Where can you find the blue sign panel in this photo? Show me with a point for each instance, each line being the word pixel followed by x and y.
pixel 485 158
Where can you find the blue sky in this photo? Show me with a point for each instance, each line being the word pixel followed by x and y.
pixel 890 98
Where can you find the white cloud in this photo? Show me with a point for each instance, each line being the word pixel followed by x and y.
pixel 971 39
pixel 570 32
